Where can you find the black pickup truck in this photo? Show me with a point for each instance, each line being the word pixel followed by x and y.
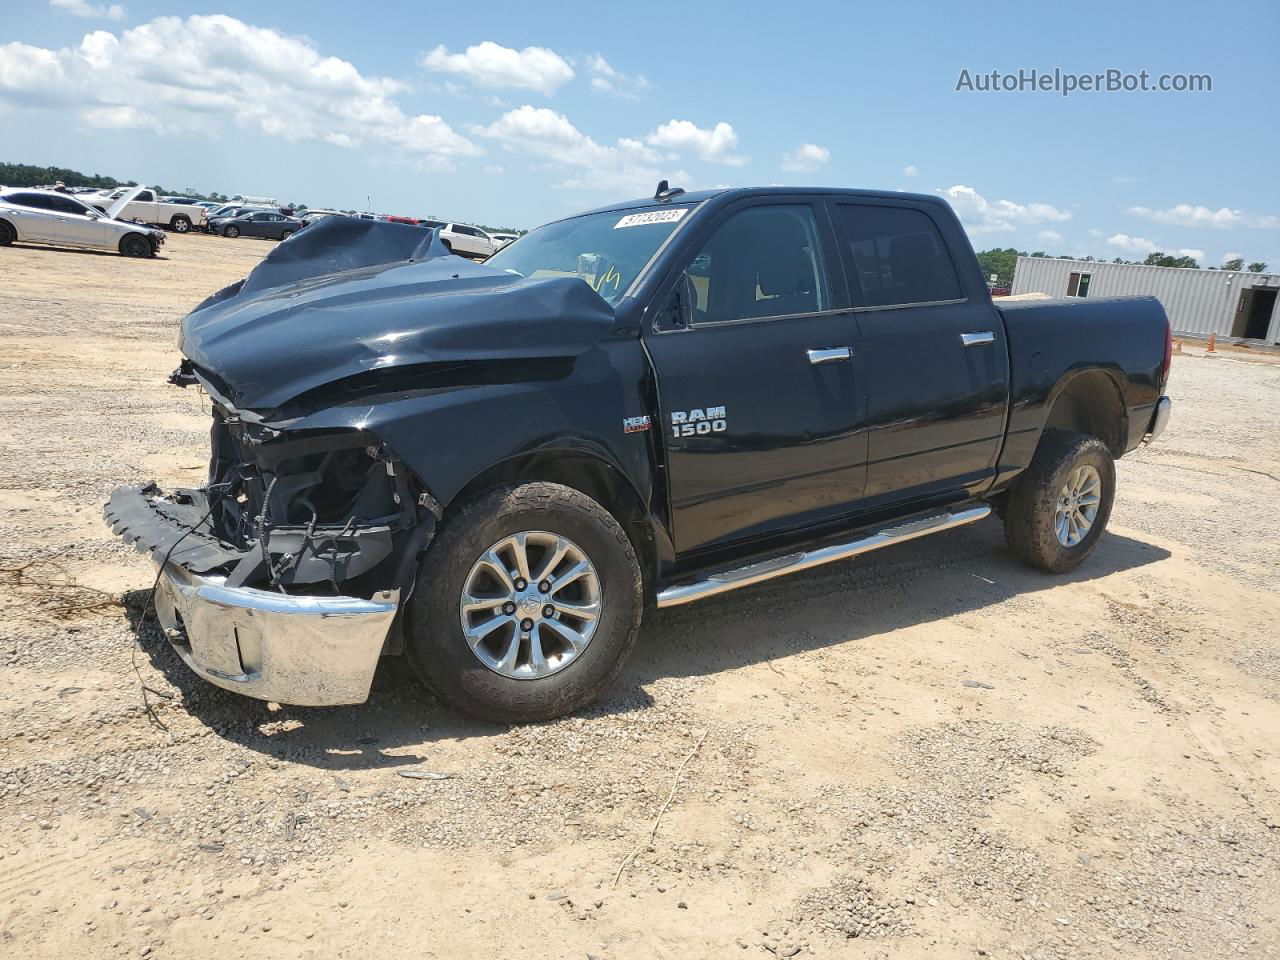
pixel 495 468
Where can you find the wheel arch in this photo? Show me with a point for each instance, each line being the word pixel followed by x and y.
pixel 1090 401
pixel 590 472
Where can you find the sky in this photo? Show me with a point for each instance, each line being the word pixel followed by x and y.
pixel 514 114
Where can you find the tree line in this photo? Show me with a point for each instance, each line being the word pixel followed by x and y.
pixel 1001 262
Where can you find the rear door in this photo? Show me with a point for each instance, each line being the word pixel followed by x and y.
pixel 760 394
pixel 935 356
pixel 33 217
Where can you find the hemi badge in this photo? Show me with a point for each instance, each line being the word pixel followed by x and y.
pixel 635 424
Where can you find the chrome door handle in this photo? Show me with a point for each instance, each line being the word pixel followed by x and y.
pixel 977 339
pixel 829 355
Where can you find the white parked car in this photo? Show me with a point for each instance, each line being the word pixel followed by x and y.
pixel 43 216
pixel 147 207
pixel 462 239
pixel 311 216
pixel 502 239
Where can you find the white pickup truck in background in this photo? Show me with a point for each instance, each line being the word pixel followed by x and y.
pixel 147 207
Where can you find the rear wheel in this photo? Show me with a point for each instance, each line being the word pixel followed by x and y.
pixel 7 233
pixel 527 604
pixel 1058 510
pixel 231 232
pixel 180 223
pixel 135 245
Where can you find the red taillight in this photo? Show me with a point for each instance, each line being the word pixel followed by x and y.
pixel 1168 353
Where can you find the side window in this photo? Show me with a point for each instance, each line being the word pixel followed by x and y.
pixel 896 256
pixel 35 201
pixel 66 205
pixel 762 262
pixel 146 196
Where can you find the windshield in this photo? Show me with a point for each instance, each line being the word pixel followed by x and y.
pixel 606 250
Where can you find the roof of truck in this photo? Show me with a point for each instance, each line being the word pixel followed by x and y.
pixel 726 193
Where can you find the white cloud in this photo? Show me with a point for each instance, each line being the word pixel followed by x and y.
pixel 1138 245
pixel 981 215
pixel 95 11
pixel 606 79
pixel 1049 236
pixel 1095 233
pixel 806 158
pixel 1187 215
pixel 1191 252
pixel 255 77
pixel 627 165
pixel 1191 215
pixel 910 170
pixel 1231 256
pixel 492 65
pixel 715 145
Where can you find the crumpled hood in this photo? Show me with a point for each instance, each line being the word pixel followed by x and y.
pixel 345 297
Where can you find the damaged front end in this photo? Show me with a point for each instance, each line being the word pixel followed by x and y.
pixel 352 364
pixel 282 577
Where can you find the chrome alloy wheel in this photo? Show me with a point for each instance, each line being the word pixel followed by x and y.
pixel 1077 506
pixel 530 605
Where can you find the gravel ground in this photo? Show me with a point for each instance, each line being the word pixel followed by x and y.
pixel 928 752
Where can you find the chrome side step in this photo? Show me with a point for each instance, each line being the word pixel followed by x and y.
pixel 803 560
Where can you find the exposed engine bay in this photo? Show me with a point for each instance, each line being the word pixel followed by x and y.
pixel 305 512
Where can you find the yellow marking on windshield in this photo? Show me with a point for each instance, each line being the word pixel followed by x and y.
pixel 611 276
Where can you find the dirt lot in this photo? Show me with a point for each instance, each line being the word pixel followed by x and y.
pixel 932 751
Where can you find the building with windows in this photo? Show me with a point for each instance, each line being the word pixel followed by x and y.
pixel 1233 305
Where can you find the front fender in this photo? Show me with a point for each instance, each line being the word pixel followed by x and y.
pixel 449 436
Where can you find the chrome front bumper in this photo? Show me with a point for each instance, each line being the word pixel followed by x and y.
pixel 1159 420
pixel 303 650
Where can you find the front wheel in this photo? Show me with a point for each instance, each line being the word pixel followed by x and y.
pixel 285 235
pixel 1059 508
pixel 7 233
pixel 527 604
pixel 135 245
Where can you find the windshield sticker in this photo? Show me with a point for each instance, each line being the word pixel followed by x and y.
pixel 653 216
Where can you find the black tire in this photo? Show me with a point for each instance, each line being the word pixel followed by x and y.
pixel 181 223
pixel 135 245
pixel 447 245
pixel 7 233
pixel 232 232
pixel 434 640
pixel 1030 513
pixel 285 235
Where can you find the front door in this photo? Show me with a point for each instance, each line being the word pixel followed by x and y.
pixel 77 225
pixel 762 408
pixel 934 350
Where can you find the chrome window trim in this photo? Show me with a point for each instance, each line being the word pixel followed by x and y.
pixel 903 306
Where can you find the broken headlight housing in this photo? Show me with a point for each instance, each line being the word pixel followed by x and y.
pixel 308 507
